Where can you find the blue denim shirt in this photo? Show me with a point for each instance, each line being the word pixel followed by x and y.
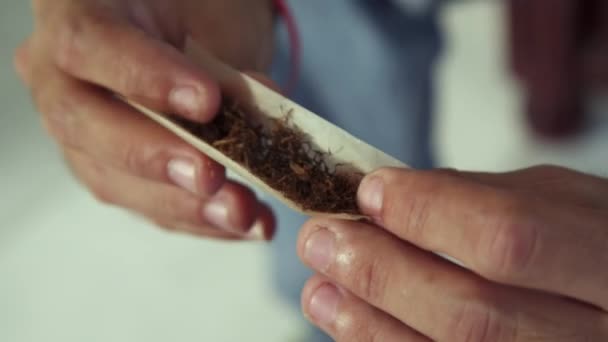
pixel 367 66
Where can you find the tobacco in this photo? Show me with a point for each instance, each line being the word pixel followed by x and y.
pixel 283 157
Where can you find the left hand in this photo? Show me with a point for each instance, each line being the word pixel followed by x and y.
pixel 82 52
pixel 533 243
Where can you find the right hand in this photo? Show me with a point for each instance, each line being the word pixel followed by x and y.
pixel 83 51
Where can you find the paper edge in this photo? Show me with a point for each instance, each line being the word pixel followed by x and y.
pixel 265 99
pixel 221 158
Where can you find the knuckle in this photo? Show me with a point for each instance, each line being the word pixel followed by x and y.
pixel 447 173
pixel 131 82
pixel 98 188
pixel 164 225
pixel 149 162
pixel 352 328
pixel 374 334
pixel 414 211
pixel 370 278
pixel 68 53
pixel 134 160
pixel 508 249
pixel 476 322
pixel 547 175
pixel 416 215
pixel 549 169
pixel 74 35
pixel 550 174
pixel 101 194
pixel 59 115
pixel 176 206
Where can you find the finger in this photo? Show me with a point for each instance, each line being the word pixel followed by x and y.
pixel 558 183
pixel 260 231
pixel 207 232
pixel 233 210
pixel 110 52
pixel 504 236
pixel 263 228
pixel 84 118
pixel 265 224
pixel 440 300
pixel 347 318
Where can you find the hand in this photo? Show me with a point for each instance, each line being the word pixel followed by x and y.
pixel 534 244
pixel 82 51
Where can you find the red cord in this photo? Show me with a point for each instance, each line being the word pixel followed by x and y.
pixel 294 39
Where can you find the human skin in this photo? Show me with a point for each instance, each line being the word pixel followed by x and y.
pixel 82 52
pixel 533 243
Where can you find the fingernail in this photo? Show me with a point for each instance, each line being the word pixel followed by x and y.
pixel 183 174
pixel 319 249
pixel 370 195
pixel 187 100
pixel 217 214
pixel 324 304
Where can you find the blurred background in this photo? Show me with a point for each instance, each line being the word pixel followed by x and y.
pixel 73 270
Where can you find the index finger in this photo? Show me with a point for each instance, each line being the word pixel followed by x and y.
pixel 110 52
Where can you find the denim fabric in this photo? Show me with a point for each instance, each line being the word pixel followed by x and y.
pixel 367 66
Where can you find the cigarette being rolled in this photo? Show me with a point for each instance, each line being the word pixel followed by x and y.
pixel 266 106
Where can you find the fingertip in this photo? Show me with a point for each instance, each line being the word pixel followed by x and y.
pixel 198 101
pixel 309 234
pixel 212 177
pixel 321 300
pixel 372 190
pixel 310 287
pixel 370 195
pixel 233 209
pixel 264 227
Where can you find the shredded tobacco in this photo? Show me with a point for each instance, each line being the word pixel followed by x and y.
pixel 282 157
